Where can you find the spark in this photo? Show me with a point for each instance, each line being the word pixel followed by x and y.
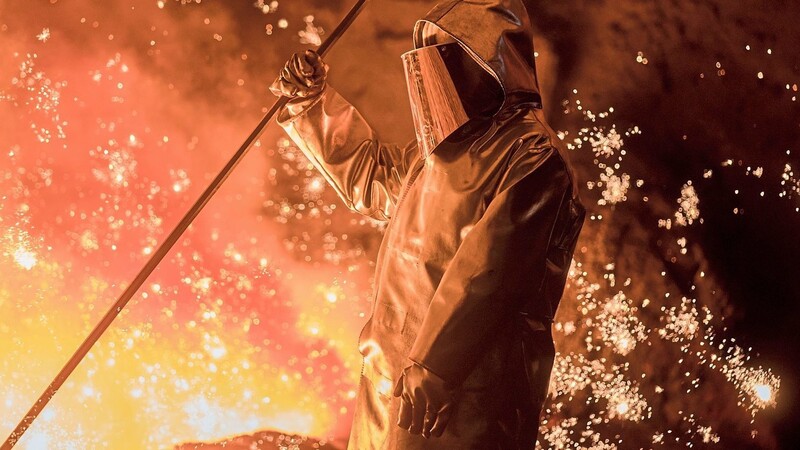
pixel 266 7
pixel 616 188
pixel 689 202
pixel 312 34
pixel 25 258
pixel 44 36
pixel 790 183
pixel 619 326
pixel 331 297
pixel 606 144
pixel 763 392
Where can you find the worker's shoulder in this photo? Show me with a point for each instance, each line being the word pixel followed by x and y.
pixel 536 144
pixel 537 150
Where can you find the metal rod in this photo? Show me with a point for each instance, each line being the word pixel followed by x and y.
pixel 164 248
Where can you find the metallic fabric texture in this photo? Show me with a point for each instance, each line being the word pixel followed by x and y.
pixel 479 239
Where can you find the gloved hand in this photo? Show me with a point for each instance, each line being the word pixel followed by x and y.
pixel 426 401
pixel 303 76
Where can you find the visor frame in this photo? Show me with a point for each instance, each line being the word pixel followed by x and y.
pixel 447 88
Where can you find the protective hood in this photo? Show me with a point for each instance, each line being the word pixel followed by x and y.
pixel 497 34
pixel 471 59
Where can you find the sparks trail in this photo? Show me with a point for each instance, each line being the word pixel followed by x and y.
pixel 163 249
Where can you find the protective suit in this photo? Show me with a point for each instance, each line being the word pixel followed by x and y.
pixel 482 225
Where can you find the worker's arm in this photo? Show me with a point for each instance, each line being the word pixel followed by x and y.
pixel 366 173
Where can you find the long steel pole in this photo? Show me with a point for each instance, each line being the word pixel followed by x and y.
pixel 164 248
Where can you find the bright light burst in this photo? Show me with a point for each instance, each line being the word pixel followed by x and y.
pixel 25 258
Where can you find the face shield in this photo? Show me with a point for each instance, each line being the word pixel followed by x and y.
pixel 447 88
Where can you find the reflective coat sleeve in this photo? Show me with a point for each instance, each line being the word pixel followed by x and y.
pixel 500 266
pixel 365 173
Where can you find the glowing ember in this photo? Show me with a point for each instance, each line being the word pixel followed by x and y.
pixel 25 258
pixel 312 35
pixel 44 35
pixel 688 211
pixel 763 392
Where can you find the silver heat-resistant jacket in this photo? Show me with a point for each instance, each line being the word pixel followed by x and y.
pixel 476 251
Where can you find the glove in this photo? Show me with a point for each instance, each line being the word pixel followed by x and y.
pixel 426 401
pixel 303 76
